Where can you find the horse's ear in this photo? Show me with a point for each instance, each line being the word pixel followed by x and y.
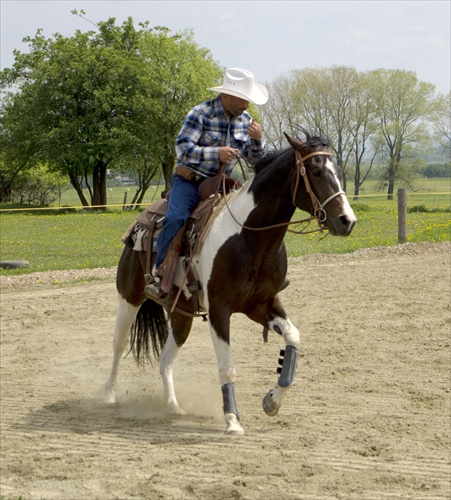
pixel 294 142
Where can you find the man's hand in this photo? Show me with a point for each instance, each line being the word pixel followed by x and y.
pixel 255 131
pixel 226 153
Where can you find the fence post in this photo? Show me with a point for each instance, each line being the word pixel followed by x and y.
pixel 124 208
pixel 402 215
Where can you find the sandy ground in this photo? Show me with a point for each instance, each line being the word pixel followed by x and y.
pixel 368 417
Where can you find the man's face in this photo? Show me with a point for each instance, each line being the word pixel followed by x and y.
pixel 234 106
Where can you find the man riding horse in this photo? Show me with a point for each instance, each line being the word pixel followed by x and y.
pixel 214 134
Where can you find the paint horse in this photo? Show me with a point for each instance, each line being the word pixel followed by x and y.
pixel 241 267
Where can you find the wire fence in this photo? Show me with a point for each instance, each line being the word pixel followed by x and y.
pixel 145 203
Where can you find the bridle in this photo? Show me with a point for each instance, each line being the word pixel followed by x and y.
pixel 319 213
pixel 318 208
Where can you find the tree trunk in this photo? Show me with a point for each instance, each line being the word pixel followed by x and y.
pixel 99 186
pixel 5 193
pixel 76 184
pixel 391 188
pixel 391 178
pixel 168 168
pixel 356 182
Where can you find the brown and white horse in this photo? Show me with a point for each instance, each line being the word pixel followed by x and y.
pixel 241 266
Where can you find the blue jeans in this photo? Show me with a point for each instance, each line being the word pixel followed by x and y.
pixel 183 199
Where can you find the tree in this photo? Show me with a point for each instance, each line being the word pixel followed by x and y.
pixel 442 123
pixel 382 115
pixel 402 104
pixel 361 127
pixel 176 73
pixel 322 101
pixel 19 146
pixel 116 97
pixel 280 113
pixel 79 93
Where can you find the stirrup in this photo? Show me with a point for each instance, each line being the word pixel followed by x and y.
pixel 153 290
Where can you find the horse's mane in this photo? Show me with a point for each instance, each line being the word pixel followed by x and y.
pixel 268 158
pixel 312 143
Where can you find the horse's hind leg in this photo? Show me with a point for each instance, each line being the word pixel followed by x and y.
pixel 178 333
pixel 126 314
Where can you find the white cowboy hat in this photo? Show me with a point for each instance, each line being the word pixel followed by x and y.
pixel 240 83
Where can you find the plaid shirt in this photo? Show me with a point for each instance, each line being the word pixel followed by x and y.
pixel 207 127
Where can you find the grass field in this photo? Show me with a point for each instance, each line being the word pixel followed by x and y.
pixel 77 239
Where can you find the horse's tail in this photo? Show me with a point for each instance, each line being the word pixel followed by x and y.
pixel 149 327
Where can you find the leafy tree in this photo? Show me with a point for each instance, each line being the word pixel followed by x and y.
pixel 402 104
pixel 361 127
pixel 381 115
pixel 39 185
pixel 175 75
pixel 442 123
pixel 437 170
pixel 320 100
pixel 79 93
pixel 19 146
pixel 280 113
pixel 115 97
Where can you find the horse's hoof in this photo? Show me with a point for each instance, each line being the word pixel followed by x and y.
pixel 270 407
pixel 174 409
pixel 110 397
pixel 234 428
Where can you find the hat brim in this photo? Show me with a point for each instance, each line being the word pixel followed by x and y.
pixel 258 96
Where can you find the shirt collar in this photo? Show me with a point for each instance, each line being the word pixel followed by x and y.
pixel 218 108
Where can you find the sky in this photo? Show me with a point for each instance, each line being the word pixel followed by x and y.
pixel 269 38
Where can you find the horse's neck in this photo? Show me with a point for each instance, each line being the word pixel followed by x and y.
pixel 272 196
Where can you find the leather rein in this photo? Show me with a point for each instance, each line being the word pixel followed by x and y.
pixel 319 213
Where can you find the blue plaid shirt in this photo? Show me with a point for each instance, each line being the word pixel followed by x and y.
pixel 207 127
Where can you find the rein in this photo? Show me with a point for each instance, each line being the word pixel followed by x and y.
pixel 319 213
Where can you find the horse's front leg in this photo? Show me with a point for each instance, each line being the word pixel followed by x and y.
pixel 283 326
pixel 220 334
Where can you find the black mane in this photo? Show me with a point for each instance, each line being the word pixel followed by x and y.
pixel 269 158
pixel 312 143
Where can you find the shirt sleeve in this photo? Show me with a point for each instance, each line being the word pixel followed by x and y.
pixel 257 149
pixel 187 146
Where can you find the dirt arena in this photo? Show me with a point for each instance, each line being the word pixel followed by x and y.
pixel 368 416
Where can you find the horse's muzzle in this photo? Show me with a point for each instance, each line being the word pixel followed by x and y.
pixel 342 225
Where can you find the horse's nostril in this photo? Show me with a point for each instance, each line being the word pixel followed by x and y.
pixel 346 222
pixel 344 219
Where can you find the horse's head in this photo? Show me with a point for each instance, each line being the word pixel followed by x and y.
pixel 317 186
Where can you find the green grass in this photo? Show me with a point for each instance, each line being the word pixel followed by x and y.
pixel 54 240
pixel 66 241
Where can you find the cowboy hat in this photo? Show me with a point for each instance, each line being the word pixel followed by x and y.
pixel 240 83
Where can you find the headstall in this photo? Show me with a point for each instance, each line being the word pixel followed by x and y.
pixel 319 212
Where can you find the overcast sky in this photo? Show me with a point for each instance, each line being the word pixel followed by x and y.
pixel 269 38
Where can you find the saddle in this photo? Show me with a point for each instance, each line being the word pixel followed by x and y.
pixel 143 233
